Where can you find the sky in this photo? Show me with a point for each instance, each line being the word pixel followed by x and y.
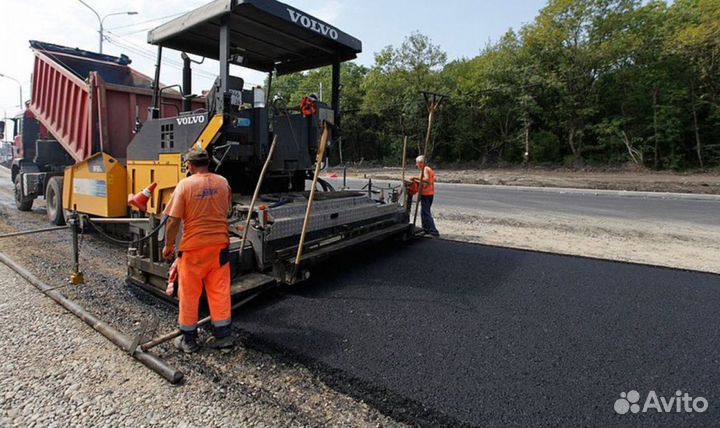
pixel 461 27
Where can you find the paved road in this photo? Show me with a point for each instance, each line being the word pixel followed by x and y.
pixel 444 333
pixel 509 200
pixel 447 332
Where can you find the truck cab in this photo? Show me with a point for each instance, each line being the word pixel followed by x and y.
pixel 38 157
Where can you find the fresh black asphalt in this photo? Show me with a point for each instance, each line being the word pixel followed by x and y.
pixel 439 332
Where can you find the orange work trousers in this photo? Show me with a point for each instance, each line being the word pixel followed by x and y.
pixel 198 268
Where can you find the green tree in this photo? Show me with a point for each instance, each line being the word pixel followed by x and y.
pixel 572 42
pixel 393 89
pixel 587 82
pixel 695 39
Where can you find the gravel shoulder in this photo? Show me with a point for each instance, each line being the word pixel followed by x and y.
pixel 677 245
pixel 56 371
pixel 620 179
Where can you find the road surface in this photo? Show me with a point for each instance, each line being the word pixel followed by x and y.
pixel 442 332
pixel 637 206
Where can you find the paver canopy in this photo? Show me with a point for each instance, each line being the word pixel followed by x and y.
pixel 264 35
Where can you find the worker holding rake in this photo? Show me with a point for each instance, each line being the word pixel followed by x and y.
pixel 201 203
pixel 427 195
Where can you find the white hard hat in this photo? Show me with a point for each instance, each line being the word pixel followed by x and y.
pixel 419 159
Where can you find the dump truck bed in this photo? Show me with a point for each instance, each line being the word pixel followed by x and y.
pixel 90 102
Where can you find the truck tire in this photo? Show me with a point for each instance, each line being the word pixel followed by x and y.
pixel 23 203
pixel 53 198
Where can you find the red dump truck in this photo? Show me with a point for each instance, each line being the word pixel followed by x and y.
pixel 82 103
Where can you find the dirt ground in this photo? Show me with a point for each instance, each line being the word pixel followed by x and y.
pixel 663 243
pixel 682 246
pixel 619 179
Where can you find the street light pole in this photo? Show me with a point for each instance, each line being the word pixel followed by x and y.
pixel 5 119
pixel 19 85
pixel 101 21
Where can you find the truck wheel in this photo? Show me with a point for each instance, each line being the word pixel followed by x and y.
pixel 23 203
pixel 53 197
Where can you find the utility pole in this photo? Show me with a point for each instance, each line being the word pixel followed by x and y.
pixel 101 20
pixel 19 85
pixel 5 120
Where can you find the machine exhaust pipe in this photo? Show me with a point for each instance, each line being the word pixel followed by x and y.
pixel 122 341
pixel 186 83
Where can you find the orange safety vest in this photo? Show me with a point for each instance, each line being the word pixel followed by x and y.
pixel 308 107
pixel 202 202
pixel 428 185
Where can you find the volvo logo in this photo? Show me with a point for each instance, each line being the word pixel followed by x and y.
pixel 312 24
pixel 190 120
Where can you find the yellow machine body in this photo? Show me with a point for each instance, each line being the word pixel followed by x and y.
pixel 211 132
pixel 96 186
pixel 166 171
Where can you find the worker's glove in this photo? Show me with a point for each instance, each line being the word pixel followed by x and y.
pixel 172 278
pixel 413 187
pixel 168 252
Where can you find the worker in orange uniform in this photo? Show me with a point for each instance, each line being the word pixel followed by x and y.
pixel 427 196
pixel 201 203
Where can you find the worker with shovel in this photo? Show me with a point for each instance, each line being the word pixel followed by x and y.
pixel 426 196
pixel 201 203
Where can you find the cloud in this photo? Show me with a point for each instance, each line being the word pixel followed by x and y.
pixel 69 23
pixel 329 11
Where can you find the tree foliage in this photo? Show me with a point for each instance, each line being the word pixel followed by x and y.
pixel 600 82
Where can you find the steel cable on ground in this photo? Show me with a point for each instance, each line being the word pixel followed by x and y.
pixel 105 236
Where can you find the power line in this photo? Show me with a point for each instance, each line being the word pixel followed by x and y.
pixel 135 32
pixel 148 21
pixel 160 18
pixel 147 53
pixel 144 54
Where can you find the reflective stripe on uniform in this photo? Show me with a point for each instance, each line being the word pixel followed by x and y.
pixel 222 323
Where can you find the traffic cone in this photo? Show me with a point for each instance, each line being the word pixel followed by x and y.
pixel 140 200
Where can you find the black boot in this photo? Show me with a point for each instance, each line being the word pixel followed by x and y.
pixel 187 342
pixel 221 339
